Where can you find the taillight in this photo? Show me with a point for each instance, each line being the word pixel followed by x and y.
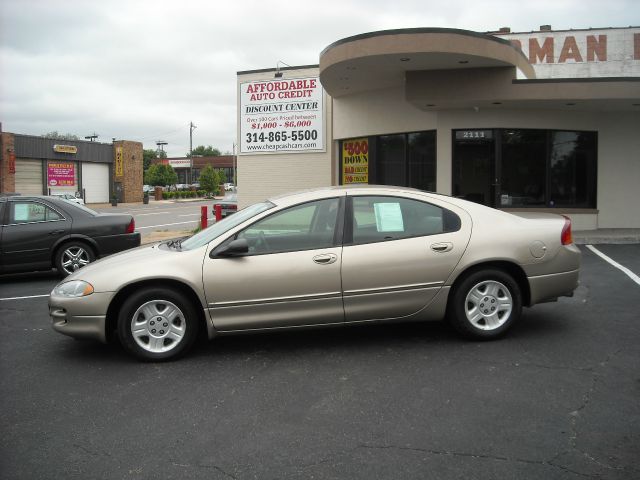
pixel 131 227
pixel 565 237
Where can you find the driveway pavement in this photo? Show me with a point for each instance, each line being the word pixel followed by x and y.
pixel 555 399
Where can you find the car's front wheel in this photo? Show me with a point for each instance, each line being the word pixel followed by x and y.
pixel 157 324
pixel 485 304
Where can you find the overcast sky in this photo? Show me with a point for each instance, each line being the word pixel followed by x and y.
pixel 143 69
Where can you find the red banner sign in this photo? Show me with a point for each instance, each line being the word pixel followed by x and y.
pixel 61 174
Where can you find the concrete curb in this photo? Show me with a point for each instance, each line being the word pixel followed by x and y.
pixel 162 236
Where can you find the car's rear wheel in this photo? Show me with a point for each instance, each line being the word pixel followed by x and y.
pixel 72 256
pixel 157 324
pixel 485 304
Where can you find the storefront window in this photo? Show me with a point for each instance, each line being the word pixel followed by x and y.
pixel 405 159
pixel 572 176
pixel 421 157
pixel 526 168
pixel 390 166
pixel 523 168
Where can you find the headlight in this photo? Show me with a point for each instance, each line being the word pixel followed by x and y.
pixel 74 288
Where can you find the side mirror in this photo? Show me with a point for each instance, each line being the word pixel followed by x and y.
pixel 234 249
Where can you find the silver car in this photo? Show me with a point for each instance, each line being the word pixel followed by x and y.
pixel 328 257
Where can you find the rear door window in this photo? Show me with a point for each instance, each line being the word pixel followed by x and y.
pixel 31 212
pixel 377 219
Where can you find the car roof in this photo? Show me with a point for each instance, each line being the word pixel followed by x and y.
pixel 19 196
pixel 338 190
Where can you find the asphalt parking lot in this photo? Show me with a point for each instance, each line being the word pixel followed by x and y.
pixel 558 398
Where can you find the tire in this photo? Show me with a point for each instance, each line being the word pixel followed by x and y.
pixel 156 324
pixel 485 304
pixel 71 256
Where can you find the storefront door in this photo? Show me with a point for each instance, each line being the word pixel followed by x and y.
pixel 475 175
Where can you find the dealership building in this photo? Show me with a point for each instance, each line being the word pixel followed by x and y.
pixel 538 121
pixel 34 165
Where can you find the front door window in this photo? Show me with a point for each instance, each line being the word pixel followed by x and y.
pixel 304 227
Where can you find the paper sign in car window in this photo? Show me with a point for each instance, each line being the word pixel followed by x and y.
pixel 21 212
pixel 388 217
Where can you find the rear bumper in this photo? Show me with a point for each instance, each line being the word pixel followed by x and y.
pixel 117 243
pixel 548 287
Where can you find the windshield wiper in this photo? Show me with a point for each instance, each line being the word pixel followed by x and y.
pixel 175 243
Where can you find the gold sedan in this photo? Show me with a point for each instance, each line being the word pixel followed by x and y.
pixel 333 256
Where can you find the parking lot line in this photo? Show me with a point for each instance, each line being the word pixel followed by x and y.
pixel 609 260
pixel 165 225
pixel 22 298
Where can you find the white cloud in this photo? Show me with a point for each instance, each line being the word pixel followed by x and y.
pixel 143 69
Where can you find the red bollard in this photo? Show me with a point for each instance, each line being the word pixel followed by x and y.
pixel 218 209
pixel 204 214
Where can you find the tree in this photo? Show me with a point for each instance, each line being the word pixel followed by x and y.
pixel 209 179
pixel 222 177
pixel 160 174
pixel 60 136
pixel 208 151
pixel 148 154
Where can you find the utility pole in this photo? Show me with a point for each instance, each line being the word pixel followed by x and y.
pixel 192 127
pixel 91 138
pixel 235 166
pixel 161 144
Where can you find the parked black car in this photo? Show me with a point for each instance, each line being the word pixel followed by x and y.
pixel 38 233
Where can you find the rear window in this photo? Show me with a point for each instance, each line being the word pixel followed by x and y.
pixel 71 204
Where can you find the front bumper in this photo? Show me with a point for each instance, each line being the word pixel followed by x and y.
pixel 83 317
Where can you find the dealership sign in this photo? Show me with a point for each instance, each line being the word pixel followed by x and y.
pixel 119 162
pixel 581 53
pixel 65 149
pixel 61 174
pixel 355 161
pixel 281 115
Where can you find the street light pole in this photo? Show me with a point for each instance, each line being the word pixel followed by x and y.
pixel 192 127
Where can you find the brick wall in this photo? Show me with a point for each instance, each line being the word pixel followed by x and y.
pixel 7 179
pixel 132 170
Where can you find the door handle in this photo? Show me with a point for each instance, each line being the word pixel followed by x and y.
pixel 56 232
pixel 325 259
pixel 442 247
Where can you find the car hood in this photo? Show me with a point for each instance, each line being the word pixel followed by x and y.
pixel 148 262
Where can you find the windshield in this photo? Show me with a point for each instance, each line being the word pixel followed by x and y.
pixel 224 225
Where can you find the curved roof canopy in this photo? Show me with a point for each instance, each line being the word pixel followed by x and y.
pixel 376 60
